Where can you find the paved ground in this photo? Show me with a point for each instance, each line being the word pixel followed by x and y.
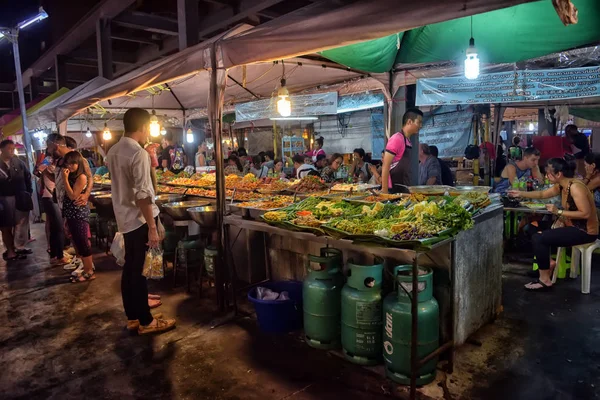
pixel 66 341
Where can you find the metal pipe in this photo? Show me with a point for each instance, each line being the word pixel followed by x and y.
pixel 14 38
pixel 452 302
pixel 214 101
pixel 414 312
pixel 443 348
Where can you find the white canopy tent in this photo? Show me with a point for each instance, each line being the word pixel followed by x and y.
pixel 246 83
pixel 47 115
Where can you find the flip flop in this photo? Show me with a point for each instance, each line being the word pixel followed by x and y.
pixel 543 287
pixel 14 258
pixel 156 305
pixel 83 278
pixel 24 251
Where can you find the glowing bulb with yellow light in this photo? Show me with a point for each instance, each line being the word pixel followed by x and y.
pixel 284 105
pixel 154 125
pixel 106 135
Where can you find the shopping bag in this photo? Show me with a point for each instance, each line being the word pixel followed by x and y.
pixel 153 264
pixel 117 248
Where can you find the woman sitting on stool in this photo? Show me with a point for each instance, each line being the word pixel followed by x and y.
pixel 577 218
pixel 592 177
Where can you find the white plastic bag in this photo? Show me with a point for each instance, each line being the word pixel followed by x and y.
pixel 117 248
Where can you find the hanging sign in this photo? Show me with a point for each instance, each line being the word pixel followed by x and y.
pixel 510 87
pixel 305 105
pixel 447 128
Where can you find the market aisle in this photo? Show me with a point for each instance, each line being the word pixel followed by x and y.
pixel 66 341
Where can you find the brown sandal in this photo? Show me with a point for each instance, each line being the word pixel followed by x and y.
pixel 134 324
pixel 162 325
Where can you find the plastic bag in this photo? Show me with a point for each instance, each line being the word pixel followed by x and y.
pixel 153 264
pixel 117 248
pixel 263 293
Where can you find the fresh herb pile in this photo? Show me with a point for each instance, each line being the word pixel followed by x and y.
pixel 418 221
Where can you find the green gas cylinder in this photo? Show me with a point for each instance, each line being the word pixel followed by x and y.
pixel 398 323
pixel 321 299
pixel 361 313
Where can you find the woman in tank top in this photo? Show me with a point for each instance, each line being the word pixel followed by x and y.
pixel 592 177
pixel 576 217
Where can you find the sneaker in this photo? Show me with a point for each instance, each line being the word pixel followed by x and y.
pixel 162 325
pixel 78 270
pixel 69 266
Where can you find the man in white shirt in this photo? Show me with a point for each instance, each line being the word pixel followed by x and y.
pixel 137 218
pixel 303 169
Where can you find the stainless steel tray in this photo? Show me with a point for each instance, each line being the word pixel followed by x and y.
pixel 359 188
pixel 464 189
pixel 249 212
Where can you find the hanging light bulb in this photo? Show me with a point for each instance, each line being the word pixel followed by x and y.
pixel 154 125
pixel 531 126
pixel 284 106
pixel 88 134
pixel 472 61
pixel 163 131
pixel 189 137
pixel 106 135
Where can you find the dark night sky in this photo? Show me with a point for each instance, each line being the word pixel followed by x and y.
pixel 62 15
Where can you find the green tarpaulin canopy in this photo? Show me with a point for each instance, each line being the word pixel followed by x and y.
pixel 508 35
pixel 591 114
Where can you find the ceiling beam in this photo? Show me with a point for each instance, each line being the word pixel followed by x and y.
pixel 118 57
pixel 81 63
pixel 82 30
pixel 147 22
pixel 228 16
pixel 170 45
pixel 135 38
pixel 7 87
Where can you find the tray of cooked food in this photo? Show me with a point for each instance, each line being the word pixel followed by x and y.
pixel 271 185
pixel 254 209
pixel 249 183
pixel 309 184
pixel 352 187
pixel 171 189
pixel 375 198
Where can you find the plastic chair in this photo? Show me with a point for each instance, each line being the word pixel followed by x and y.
pixel 584 252
pixel 563 262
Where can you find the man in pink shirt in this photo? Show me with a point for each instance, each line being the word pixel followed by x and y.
pixel 396 160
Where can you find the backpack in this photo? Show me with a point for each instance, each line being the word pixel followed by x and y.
pixel 177 158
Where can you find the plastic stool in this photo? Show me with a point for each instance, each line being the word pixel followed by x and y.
pixel 563 262
pixel 584 252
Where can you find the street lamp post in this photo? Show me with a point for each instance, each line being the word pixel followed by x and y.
pixel 12 35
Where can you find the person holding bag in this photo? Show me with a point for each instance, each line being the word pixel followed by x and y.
pixel 15 202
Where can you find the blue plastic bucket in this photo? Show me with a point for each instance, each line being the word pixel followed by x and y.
pixel 279 316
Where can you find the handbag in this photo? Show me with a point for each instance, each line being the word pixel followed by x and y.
pixel 23 201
